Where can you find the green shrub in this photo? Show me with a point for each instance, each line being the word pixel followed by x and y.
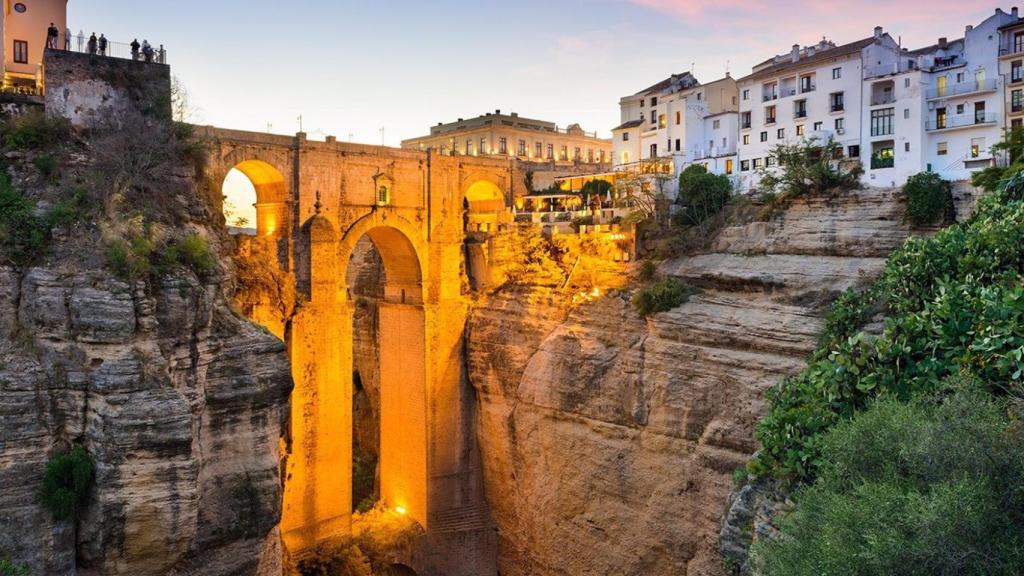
pixel 701 194
pixel 809 167
pixel 929 198
pixel 954 301
pixel 648 269
pixel 131 260
pixel 24 235
pixel 66 483
pixel 46 165
pixel 192 251
pixel 36 131
pixel 9 568
pixel 661 296
pixel 581 221
pixel 846 317
pixel 921 488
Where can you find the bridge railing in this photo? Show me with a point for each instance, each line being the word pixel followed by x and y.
pixel 122 50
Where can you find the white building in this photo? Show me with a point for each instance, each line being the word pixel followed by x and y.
pixel 812 92
pixel 675 123
pixel 1011 71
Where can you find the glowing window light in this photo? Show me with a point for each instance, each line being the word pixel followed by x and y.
pixel 401 510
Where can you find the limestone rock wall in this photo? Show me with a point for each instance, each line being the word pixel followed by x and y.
pixel 608 441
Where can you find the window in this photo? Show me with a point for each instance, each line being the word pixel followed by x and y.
pixel 654 151
pixel 521 148
pixel 746 139
pixel 764 136
pixel 906 113
pixel 979 112
pixel 770 161
pixel 625 137
pixel 383 195
pixel 769 114
pixel 551 151
pixel 837 73
pixel 744 165
pixel 959 77
pixel 678 145
pixel 1018 42
pixel 906 81
pixel 817 126
pixel 746 94
pixel 881 121
pixel 853 151
pixel 590 155
pixel 1017 100
pixel 642 103
pixel 1016 71
pixel 942 148
pixel 699 95
pixel 538 148
pixel 977 145
pixel 800 109
pixel 806 84
pixel 780 133
pixel 483 146
pixel 959 109
pixel 469 147
pixel 716 124
pixel 757 163
pixel 654 116
pixel 679 118
pixel 20 8
pixel 661 121
pixel 563 153
pixel 837 101
pixel 502 145
pixel 745 120
pixel 883 157
pixel 940 85
pixel 724 140
pixel 799 129
pixel 577 154
pixel 728 166
pixel 654 101
pixel 906 146
pixel 940 118
pixel 625 157
pixel 21 52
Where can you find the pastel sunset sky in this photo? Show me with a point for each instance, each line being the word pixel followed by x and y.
pixel 353 67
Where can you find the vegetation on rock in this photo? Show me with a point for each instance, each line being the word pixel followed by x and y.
pixel 929 198
pixel 701 194
pixel 809 167
pixel 661 296
pixel 9 568
pixel 930 486
pixel 66 483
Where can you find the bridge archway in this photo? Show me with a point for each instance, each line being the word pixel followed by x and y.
pixel 401 365
pixel 268 193
pixel 482 202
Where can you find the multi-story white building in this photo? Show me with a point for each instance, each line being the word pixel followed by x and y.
pixel 675 123
pixel 812 92
pixel 1011 71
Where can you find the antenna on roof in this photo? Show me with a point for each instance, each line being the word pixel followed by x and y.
pixel 692 67
pixel 726 67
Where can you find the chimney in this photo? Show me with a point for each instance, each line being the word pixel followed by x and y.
pixel 1013 12
pixel 969 28
pixel 795 54
pixel 810 51
pixel 942 42
pixel 515 114
pixel 497 111
pixel 878 31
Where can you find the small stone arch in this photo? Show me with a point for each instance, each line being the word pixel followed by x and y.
pixel 396 241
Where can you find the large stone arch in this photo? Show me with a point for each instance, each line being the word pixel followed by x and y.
pixel 270 180
pixel 404 253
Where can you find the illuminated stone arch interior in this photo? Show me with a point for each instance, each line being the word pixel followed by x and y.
pixel 270 197
pixel 401 363
pixel 483 202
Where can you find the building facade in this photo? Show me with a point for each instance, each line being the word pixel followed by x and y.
pixel 1011 71
pixel 814 92
pixel 510 135
pixel 675 123
pixel 25 27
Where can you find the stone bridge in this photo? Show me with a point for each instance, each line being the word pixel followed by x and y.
pixel 315 201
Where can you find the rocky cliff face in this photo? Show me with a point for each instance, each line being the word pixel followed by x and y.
pixel 608 440
pixel 180 402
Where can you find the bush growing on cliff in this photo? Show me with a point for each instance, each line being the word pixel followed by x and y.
pixel 192 251
pixel 920 488
pixel 809 167
pixel 35 130
pixel 9 568
pixel 661 296
pixel 954 301
pixel 929 198
pixel 66 483
pixel 701 194
pixel 24 234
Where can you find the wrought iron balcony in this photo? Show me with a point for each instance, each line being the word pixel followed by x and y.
pixel 961 89
pixel 961 121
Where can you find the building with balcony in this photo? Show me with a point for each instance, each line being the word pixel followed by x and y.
pixel 512 136
pixel 811 92
pixel 1011 71
pixel 964 98
pixel 675 123
pixel 24 30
